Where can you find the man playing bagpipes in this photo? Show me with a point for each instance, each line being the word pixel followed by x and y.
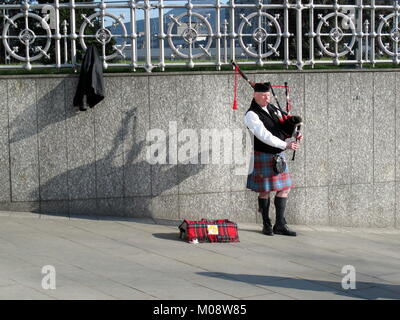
pixel 271 126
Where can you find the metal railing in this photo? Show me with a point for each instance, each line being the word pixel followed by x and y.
pixel 161 34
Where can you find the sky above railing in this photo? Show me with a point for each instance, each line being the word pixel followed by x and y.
pixel 154 14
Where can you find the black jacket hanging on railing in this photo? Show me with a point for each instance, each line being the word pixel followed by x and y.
pixel 91 83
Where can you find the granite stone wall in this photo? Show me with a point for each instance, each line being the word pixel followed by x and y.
pixel 55 159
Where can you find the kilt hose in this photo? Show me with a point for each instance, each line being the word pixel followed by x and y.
pixel 263 178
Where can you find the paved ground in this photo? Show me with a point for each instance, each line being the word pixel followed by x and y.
pixel 141 259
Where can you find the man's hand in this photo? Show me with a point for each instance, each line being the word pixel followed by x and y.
pixel 299 137
pixel 292 145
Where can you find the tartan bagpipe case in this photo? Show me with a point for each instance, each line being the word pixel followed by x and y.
pixel 221 230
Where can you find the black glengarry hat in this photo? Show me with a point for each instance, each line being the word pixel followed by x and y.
pixel 262 87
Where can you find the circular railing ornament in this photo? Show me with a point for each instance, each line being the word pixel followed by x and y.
pixel 262 27
pixel 196 33
pixel 103 35
pixel 189 35
pixel 336 34
pixel 395 34
pixel 26 37
pixel 260 35
pixel 385 30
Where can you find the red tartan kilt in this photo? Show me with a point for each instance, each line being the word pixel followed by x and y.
pixel 264 179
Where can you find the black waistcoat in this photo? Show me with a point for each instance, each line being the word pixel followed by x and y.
pixel 271 123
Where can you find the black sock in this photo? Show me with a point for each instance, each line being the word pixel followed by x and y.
pixel 263 204
pixel 280 206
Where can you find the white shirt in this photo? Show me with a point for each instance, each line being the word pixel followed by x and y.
pixel 255 125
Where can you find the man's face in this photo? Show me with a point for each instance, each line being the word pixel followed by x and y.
pixel 262 98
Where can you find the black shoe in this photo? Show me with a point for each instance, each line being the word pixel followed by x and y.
pixel 267 230
pixel 284 230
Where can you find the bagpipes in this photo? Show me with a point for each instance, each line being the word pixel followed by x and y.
pixel 290 124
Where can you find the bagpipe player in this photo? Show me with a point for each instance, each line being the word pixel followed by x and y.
pixel 271 172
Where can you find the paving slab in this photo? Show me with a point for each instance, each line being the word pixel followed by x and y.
pixel 305 290
pixel 271 296
pixel 71 290
pixel 101 283
pixel 376 293
pixel 4 281
pixel 392 278
pixel 21 292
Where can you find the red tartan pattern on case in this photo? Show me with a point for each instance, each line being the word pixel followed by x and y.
pixel 191 230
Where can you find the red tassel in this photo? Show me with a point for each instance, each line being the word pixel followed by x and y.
pixel 234 104
pixel 234 107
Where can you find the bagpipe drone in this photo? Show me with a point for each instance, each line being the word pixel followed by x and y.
pixel 290 124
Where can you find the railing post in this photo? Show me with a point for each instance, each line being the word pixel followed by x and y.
pixel 161 35
pixel 65 34
pixel 232 35
pixel 189 7
pixel 225 41
pixel 373 33
pixel 286 34
pixel 5 12
pixel 57 35
pixel 103 7
pixel 299 29
pixel 218 34
pixel 396 24
pixel 311 33
pixel 366 28
pixel 25 7
pixel 133 36
pixel 359 32
pixel 73 36
pixel 147 8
